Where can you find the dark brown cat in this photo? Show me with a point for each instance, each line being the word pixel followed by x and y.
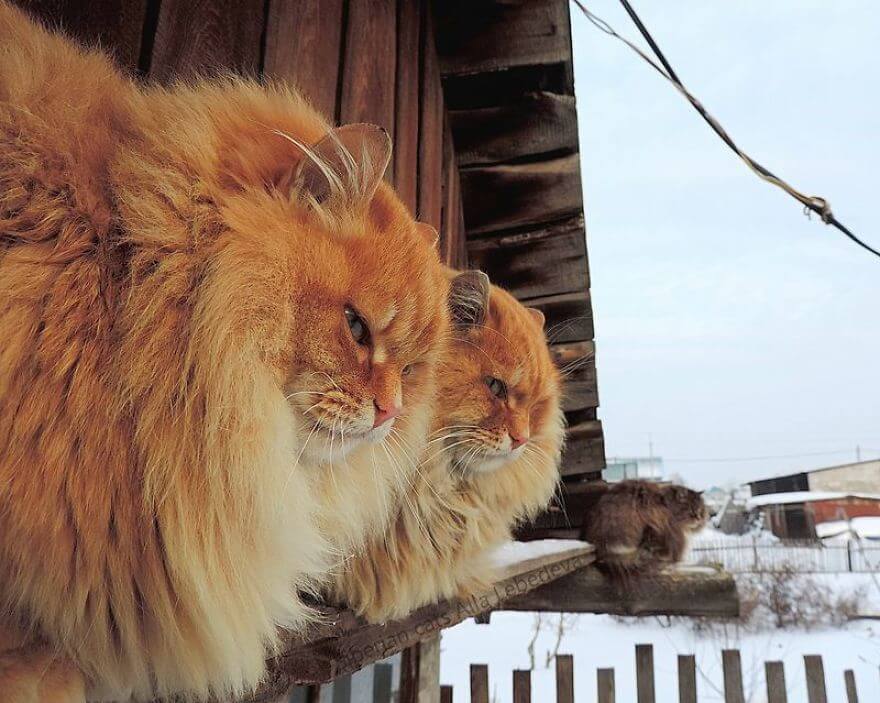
pixel 639 526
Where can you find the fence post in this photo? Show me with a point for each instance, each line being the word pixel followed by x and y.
pixel 522 686
pixel 815 679
pixel 645 673
pixel 446 694
pixel 605 685
pixel 849 564
pixel 564 678
pixel 775 673
pixel 687 678
pixel 733 680
pixel 479 683
pixel 852 696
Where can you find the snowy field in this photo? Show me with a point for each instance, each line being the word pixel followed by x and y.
pixel 599 641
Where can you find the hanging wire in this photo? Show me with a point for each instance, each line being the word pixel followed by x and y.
pixel 811 203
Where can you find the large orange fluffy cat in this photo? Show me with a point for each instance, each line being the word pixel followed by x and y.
pixel 193 304
pixel 493 461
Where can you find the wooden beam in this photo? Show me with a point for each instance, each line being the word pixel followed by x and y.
pixel 115 25
pixel 687 678
pixel 542 260
pixel 195 37
pixel 536 123
pixel 577 360
pixel 645 673
pixel 569 316
pixel 605 685
pixel 479 683
pixel 775 679
pixel 303 40
pixel 502 34
pixel 584 449
pixel 685 590
pixel 492 89
pixel 522 686
pixel 564 678
pixel 430 196
pixel 731 663
pixel 406 102
pixel 343 643
pixel 515 195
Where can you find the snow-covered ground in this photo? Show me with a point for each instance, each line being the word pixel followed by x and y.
pixel 598 641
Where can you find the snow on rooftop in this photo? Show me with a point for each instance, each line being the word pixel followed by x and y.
pixel 804 497
pixel 864 527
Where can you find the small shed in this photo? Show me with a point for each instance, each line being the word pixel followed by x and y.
pixel 797 514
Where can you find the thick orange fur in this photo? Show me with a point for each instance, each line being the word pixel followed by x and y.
pixel 170 312
pixel 465 500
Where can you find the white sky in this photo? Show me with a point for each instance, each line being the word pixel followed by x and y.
pixel 728 324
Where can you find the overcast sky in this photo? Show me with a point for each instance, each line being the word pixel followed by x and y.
pixel 728 325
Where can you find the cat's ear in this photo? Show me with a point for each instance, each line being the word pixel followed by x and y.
pixel 537 316
pixel 469 299
pixel 428 233
pixel 348 163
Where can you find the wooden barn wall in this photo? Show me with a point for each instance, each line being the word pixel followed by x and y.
pixel 509 89
pixel 357 61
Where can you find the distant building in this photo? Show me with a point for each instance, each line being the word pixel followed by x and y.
pixel 861 477
pixel 621 468
pixel 795 515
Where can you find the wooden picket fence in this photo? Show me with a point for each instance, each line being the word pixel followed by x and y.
pixel 687 680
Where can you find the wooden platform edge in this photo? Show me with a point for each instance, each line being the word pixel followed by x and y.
pixel 343 643
pixel 694 591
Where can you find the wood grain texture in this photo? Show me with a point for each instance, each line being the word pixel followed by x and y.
pixel 682 590
pixel 538 261
pixel 368 69
pixel 815 671
pixel 605 692
pixel 115 25
pixel 774 673
pixel 584 450
pixel 522 686
pixel 645 673
pixel 731 663
pixel 205 37
pixel 303 43
pixel 535 123
pixel 429 669
pixel 502 35
pixel 577 361
pixel 515 195
pixel 564 678
pixel 479 683
pixel 849 679
pixel 687 678
pixel 568 316
pixel 406 102
pixel 446 694
pixel 430 196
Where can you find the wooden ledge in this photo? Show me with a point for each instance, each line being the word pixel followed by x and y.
pixel 684 590
pixel 342 643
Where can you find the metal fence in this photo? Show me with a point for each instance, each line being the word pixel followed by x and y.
pixel 748 556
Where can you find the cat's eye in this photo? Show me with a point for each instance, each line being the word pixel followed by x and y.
pixel 407 370
pixel 497 387
pixel 359 330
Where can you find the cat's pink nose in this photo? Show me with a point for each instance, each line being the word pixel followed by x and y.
pixel 383 415
pixel 517 440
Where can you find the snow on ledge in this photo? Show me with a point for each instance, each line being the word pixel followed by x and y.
pixel 804 497
pixel 512 553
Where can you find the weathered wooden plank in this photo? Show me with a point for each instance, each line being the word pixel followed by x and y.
pixel 406 102
pixel 564 678
pixel 536 123
pixel 568 316
pixel 522 686
pixel 368 69
pixel 409 675
pixel 515 195
pixel 815 671
pixel 303 42
pixel 645 673
pixel 429 670
pixel 502 35
pixel 852 695
pixel 731 663
pixel 430 197
pixel 577 361
pixel 382 683
pixel 479 683
pixel 774 673
pixel 584 449
pixel 542 260
pixel 687 678
pixel 206 36
pixel 342 643
pixel 492 89
pixel 446 694
pixel 605 685
pixel 114 25
pixel 684 590
pixel 448 219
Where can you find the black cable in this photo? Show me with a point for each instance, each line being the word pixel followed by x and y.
pixel 817 205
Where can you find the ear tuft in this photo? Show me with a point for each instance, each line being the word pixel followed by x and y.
pixel 469 299
pixel 348 164
pixel 537 316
